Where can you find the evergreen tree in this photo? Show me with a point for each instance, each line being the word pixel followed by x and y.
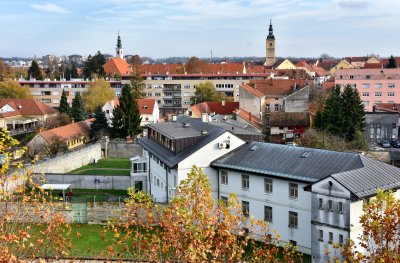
pixel 319 121
pixel 99 127
pixel 354 114
pixel 94 65
pixel 64 105
pixel 137 86
pixel 391 63
pixel 334 113
pixel 34 71
pixel 78 111
pixel 126 119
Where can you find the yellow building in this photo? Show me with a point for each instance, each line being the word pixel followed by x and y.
pixel 270 47
pixel 343 64
pixel 286 64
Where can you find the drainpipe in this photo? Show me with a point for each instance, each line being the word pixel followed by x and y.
pixel 149 176
pixel 218 197
pixel 166 188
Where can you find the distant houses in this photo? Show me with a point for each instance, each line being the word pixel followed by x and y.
pixel 148 108
pixel 67 137
pixel 20 115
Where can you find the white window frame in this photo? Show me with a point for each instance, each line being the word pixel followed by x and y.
pixel 293 191
pixel 224 177
pixel 245 182
pixel 268 186
pixel 268 214
pixel 293 219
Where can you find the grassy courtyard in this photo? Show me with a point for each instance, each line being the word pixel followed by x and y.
pixel 108 166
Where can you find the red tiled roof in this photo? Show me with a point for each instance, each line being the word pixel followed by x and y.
pixel 278 86
pixel 228 68
pixel 25 107
pixel 389 107
pixel 247 116
pixel 374 65
pixel 253 91
pixel 117 66
pixel 215 106
pixel 67 132
pixel 146 106
pixel 327 64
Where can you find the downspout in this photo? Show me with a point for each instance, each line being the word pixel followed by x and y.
pixel 149 175
pixel 166 188
pixel 218 197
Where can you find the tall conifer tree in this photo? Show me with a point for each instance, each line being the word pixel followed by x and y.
pixel 64 106
pixel 334 113
pixel 99 127
pixel 78 111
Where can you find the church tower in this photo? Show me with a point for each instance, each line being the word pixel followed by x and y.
pixel 270 47
pixel 119 50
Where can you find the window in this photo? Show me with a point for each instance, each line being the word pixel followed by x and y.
pixel 157 94
pixel 276 107
pixel 330 205
pixel 186 86
pixel 353 86
pixel 268 186
pixel 365 94
pixel 368 76
pixel 186 94
pixel 340 207
pixel 365 85
pixel 340 239
pixel 351 77
pixel 321 236
pixel 245 208
pixel 293 191
pixel 46 93
pixel 320 203
pixel 378 85
pixel 366 103
pixel 378 94
pixel 139 167
pixel 224 177
pixel 267 214
pixel 224 199
pixel 391 85
pixel 267 107
pixel 390 94
pixel 158 182
pixel 245 181
pixel 330 240
pixel 149 86
pixel 293 220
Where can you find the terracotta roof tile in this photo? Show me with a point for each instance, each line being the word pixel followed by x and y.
pixel 254 120
pixel 390 107
pixel 117 66
pixel 283 87
pixel 253 91
pixel 146 106
pixel 25 107
pixel 67 132
pixel 209 107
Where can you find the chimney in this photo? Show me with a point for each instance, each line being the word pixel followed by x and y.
pixel 249 116
pixel 204 117
pixel 174 118
pixel 223 103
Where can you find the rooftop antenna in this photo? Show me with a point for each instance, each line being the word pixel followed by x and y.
pixel 211 55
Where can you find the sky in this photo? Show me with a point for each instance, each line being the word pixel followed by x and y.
pixel 166 28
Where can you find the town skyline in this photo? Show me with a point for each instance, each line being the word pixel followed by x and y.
pixel 169 28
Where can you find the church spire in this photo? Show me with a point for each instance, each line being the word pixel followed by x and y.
pixel 119 50
pixel 271 31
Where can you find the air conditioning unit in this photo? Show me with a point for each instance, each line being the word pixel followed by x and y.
pixel 221 145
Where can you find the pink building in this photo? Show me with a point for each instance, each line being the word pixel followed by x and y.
pixel 374 85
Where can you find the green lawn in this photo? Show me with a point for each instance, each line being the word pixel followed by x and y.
pixel 101 195
pixel 108 166
pixel 90 244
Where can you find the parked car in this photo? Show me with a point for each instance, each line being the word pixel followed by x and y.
pixel 291 143
pixel 385 144
pixel 395 144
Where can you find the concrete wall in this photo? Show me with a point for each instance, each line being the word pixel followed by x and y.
pixel 70 160
pixel 298 101
pixel 90 181
pixel 250 102
pixel 122 149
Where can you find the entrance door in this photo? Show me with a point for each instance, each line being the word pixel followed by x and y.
pixel 80 213
pixel 138 186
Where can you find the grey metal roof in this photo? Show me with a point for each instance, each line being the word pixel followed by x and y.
pixel 168 157
pixel 372 176
pixel 294 163
pixel 175 130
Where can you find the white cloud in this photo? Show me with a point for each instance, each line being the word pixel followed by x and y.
pixel 49 7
